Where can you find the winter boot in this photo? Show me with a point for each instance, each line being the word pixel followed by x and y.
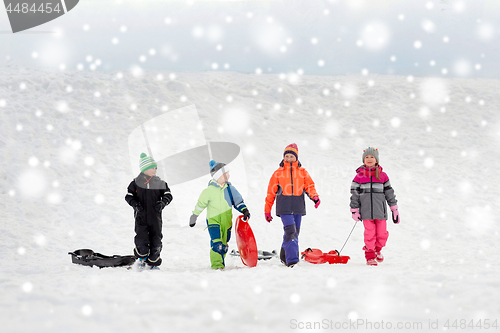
pixel 140 264
pixel 282 256
pixel 380 256
pixel 154 257
pixel 371 262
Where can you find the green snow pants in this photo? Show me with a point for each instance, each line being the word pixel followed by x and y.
pixel 219 228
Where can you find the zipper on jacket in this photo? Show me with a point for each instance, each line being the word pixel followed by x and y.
pixel 291 179
pixel 371 193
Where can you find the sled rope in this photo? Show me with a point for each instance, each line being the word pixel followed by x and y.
pixel 347 238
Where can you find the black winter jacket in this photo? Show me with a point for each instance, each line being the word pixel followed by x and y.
pixel 147 191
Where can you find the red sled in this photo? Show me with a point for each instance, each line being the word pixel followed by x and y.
pixel 245 240
pixel 316 256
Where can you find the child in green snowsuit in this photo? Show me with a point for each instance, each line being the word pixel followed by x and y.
pixel 219 198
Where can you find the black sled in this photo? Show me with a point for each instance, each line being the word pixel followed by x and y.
pixel 90 258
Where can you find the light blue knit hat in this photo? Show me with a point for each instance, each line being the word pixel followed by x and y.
pixel 217 169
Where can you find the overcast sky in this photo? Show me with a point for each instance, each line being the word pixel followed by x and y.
pixel 442 38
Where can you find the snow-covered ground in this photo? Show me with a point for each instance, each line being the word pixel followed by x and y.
pixel 65 167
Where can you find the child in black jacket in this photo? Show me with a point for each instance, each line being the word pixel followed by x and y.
pixel 148 195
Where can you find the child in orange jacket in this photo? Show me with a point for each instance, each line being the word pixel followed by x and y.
pixel 288 185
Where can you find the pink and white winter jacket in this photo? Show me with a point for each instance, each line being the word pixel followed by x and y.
pixel 370 194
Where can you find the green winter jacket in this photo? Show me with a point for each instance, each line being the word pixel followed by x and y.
pixel 219 199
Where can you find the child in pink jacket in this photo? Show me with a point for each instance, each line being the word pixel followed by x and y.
pixel 370 191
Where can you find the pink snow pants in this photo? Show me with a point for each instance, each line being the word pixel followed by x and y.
pixel 376 235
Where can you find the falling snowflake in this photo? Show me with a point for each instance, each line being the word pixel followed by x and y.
pixel 424 112
pixel 235 121
pixel 54 198
pixel 462 68
pixel 62 106
pixel 293 78
pixel 375 36
pixel 33 161
pixel 86 310
pixel 434 91
pixel 395 122
pixel 99 199
pixel 27 287
pixel 479 220
pixel 428 26
pixel 350 91
pixel 428 162
pixel 485 32
pixel 270 37
pixel 295 298
pixel 216 315
pixel 40 240
pixel 89 160
pixel 425 244
pixel 353 315
pixel 324 144
pixel 136 71
pixel 31 183
pixel 331 283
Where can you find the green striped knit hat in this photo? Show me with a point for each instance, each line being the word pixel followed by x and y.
pixel 146 162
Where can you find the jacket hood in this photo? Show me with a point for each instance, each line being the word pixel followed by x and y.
pixel 144 181
pixel 143 176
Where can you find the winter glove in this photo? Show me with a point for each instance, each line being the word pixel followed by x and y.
pixel 192 220
pixel 246 215
pixel 355 214
pixel 138 208
pixel 316 202
pixel 395 214
pixel 159 206
pixel 269 218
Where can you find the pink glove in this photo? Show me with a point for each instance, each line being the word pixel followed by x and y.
pixel 316 202
pixel 395 214
pixel 269 218
pixel 355 214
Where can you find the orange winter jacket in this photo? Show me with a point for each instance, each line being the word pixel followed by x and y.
pixel 288 185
